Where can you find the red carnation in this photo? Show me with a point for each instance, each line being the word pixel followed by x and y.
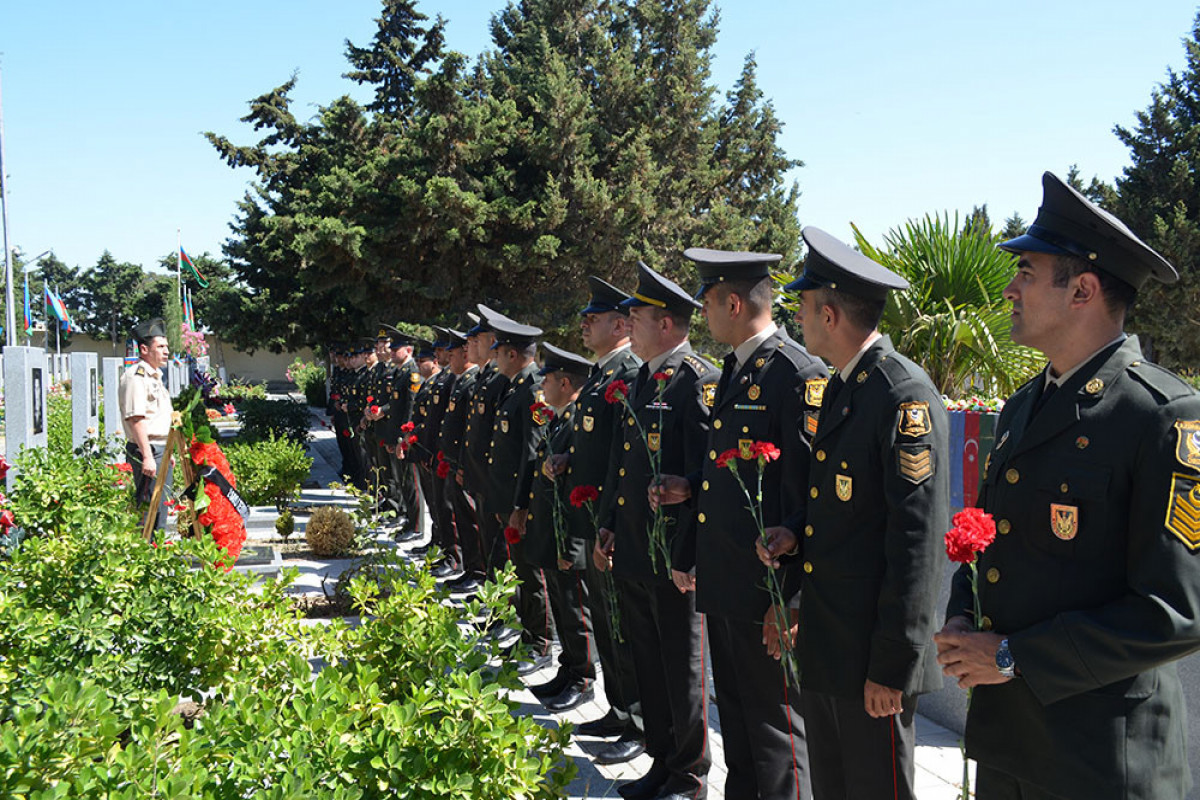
pixel 382 443
pixel 229 410
pixel 335 397
pixel 210 453
pixel 374 409
pixel 443 469
pixel 412 440
pixel 973 531
pixel 346 433
pixel 7 520
pixel 370 398
pixel 581 495
pixel 764 450
pixel 122 466
pixel 441 455
pixel 407 427
pixel 4 465
pixel 616 392
pixel 512 535
pixel 225 523
pixel 725 458
pixel 661 377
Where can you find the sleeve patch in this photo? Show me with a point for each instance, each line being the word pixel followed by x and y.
pixel 915 462
pixel 914 419
pixel 710 394
pixel 1187 448
pixel 1183 510
pixel 814 391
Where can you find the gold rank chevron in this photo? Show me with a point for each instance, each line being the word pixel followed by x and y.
pixel 916 466
pixel 1183 510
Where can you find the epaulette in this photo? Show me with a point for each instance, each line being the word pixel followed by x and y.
pixel 1160 381
pixel 793 352
pixel 698 364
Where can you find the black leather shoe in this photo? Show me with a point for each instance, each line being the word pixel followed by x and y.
pixel 569 698
pixel 606 726
pixel 409 536
pixel 443 570
pixel 647 786
pixel 678 796
pixel 551 688
pixel 625 749
pixel 419 551
pixel 538 662
pixel 464 585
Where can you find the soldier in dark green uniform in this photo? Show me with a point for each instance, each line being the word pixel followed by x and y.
pixel 419 453
pixel 564 563
pixel 870 540
pixel 376 425
pixel 358 389
pixel 514 440
pixel 440 512
pixel 463 355
pixel 1091 590
pixel 339 384
pixel 604 323
pixel 398 406
pixel 664 630
pixel 768 386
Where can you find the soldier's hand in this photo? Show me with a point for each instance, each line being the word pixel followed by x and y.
pixel 669 490
pixel 460 476
pixel 775 542
pixel 775 643
pixel 149 468
pixel 968 656
pixel 683 582
pixel 555 465
pixel 564 565
pixel 603 550
pixel 391 450
pixel 517 519
pixel 880 700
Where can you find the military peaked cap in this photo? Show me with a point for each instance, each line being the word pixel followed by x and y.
pixel 555 359
pixel 715 266
pixel 143 332
pixel 655 290
pixel 835 264
pixel 605 298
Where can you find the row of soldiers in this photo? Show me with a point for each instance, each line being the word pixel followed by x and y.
pixel 648 499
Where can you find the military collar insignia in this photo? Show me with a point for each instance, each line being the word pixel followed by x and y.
pixel 1094 386
pixel 758 362
pixel 914 419
pixel 1187 447
pixel 1064 521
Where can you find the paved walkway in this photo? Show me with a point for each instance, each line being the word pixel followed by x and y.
pixel 939 760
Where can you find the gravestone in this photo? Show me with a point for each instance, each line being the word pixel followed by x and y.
pixel 85 397
pixel 26 381
pixel 112 368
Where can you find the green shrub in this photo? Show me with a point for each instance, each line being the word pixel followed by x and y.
pixel 58 422
pixel 310 379
pixel 330 531
pixel 237 389
pixel 284 419
pixel 269 472
pixel 285 524
pixel 56 492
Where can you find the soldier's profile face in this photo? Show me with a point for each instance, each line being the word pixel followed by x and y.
pixel 643 330
pixel 1039 308
pixel 156 353
pixel 809 315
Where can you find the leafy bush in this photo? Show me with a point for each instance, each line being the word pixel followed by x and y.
pixel 310 378
pixel 285 524
pixel 238 389
pixel 58 422
pixel 283 419
pixel 57 492
pixel 269 472
pixel 330 531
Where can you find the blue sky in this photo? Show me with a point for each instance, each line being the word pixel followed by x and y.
pixel 897 109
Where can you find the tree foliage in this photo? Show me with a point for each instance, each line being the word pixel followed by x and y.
pixel 588 137
pixel 1158 196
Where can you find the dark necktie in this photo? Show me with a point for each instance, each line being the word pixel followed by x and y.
pixel 831 391
pixel 1045 396
pixel 727 373
pixel 643 377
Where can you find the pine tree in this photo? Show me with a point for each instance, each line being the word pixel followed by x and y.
pixel 401 51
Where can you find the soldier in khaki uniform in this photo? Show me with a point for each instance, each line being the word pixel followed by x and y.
pixel 146 411
pixel 1091 590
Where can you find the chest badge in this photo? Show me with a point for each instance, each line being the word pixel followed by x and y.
pixel 844 486
pixel 504 426
pixel 914 419
pixel 814 391
pixel 744 449
pixel 654 441
pixel 589 423
pixel 1187 449
pixel 482 408
pixel 1064 521
pixel 754 392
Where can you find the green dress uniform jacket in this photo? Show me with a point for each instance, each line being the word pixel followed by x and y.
pixel 872 543
pixel 514 440
pixel 684 407
pixel 440 386
pixel 454 420
pixel 398 403
pixel 477 440
pixel 765 401
pixel 1094 579
pixel 541 546
pixel 596 425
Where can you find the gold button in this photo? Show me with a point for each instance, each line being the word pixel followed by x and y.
pixel 712 455
pixel 576 427
pixel 1064 488
pixel 986 624
pixel 701 517
pixel 1004 526
pixel 813 492
pixel 845 465
pixel 572 448
pixel 820 455
pixel 1012 476
pixel 808 567
pixel 704 486
pixel 993 575
pixel 531 515
pixel 717 424
pixel 808 530
pixel 745 430
pixel 622 472
pixel 630 422
pixel 627 445
pixel 620 501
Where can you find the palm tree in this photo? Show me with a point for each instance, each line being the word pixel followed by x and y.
pixel 953 320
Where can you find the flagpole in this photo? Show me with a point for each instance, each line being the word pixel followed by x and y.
pixel 10 313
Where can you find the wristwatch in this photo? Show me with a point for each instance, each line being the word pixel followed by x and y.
pixel 1004 660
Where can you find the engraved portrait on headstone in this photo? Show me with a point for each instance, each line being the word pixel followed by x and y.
pixel 39 415
pixel 94 391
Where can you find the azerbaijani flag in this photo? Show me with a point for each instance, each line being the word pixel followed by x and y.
pixel 183 259
pixel 55 304
pixel 28 311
